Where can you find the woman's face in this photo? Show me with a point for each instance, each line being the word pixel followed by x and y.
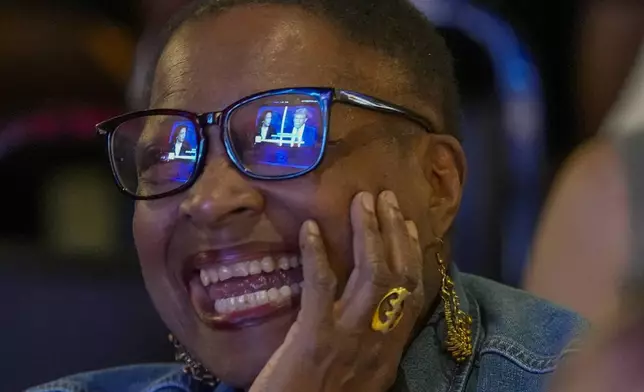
pixel 268 118
pixel 226 218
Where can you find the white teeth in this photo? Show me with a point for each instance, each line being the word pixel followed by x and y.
pixel 255 268
pixel 268 265
pixel 261 297
pixel 224 273
pixel 282 296
pixel 273 295
pixel 251 300
pixel 285 291
pixel 283 263
pixel 205 280
pixel 240 270
pixel 220 306
pixel 240 302
pixel 213 275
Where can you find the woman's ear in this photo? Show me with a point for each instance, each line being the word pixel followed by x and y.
pixel 445 169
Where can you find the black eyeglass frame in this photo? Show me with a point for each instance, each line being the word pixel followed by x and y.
pixel 326 97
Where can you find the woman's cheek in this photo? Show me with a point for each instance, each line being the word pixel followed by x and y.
pixel 152 229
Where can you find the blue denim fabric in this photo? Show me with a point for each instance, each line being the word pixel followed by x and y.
pixel 518 340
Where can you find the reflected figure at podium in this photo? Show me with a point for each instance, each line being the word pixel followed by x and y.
pixel 265 129
pixel 182 147
pixel 303 135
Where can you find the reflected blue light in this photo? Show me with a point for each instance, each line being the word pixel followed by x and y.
pixel 518 71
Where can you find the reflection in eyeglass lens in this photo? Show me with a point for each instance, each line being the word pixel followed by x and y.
pixel 166 154
pixel 279 135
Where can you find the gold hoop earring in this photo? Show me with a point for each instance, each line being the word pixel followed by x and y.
pixel 193 367
pixel 459 323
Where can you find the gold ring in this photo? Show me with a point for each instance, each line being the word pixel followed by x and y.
pixel 395 299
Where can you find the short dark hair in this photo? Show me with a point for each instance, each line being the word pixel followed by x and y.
pixel 395 28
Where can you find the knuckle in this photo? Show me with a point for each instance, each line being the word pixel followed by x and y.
pixel 380 277
pixel 326 280
pixel 375 264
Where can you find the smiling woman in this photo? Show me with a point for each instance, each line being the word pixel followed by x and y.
pixel 297 258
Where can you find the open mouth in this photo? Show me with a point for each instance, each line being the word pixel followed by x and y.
pixel 239 293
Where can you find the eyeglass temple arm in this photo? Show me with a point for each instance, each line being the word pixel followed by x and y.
pixel 371 103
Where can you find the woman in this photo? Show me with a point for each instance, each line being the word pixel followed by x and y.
pixel 320 268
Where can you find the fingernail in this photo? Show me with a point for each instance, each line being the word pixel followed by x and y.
pixel 312 227
pixel 368 202
pixel 412 229
pixel 390 197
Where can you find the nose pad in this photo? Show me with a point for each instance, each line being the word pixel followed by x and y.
pixel 215 137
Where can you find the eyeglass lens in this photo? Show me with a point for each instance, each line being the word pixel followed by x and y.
pixel 274 136
pixel 278 135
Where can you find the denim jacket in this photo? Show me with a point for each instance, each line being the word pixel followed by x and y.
pixel 517 341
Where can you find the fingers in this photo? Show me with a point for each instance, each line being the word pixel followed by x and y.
pixel 403 249
pixel 386 255
pixel 386 252
pixel 402 255
pixel 320 282
pixel 369 263
pixel 415 269
pixel 368 248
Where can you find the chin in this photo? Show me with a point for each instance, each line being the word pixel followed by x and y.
pixel 237 356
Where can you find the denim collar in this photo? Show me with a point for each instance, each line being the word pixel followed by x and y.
pixel 426 365
pixel 180 381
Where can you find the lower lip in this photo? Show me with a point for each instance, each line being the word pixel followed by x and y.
pixel 204 305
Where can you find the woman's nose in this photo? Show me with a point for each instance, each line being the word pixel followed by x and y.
pixel 221 194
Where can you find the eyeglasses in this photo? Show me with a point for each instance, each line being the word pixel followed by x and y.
pixel 273 135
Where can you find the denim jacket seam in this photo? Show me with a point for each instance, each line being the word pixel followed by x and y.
pixel 173 380
pixel 521 356
pixel 572 348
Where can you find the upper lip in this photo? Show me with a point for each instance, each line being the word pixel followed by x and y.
pixel 231 255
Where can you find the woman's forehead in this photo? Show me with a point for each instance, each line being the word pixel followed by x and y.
pixel 219 59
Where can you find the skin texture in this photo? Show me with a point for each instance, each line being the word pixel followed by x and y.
pixel 215 61
pixel 581 248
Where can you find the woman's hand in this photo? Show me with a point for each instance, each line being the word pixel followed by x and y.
pixel 331 346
